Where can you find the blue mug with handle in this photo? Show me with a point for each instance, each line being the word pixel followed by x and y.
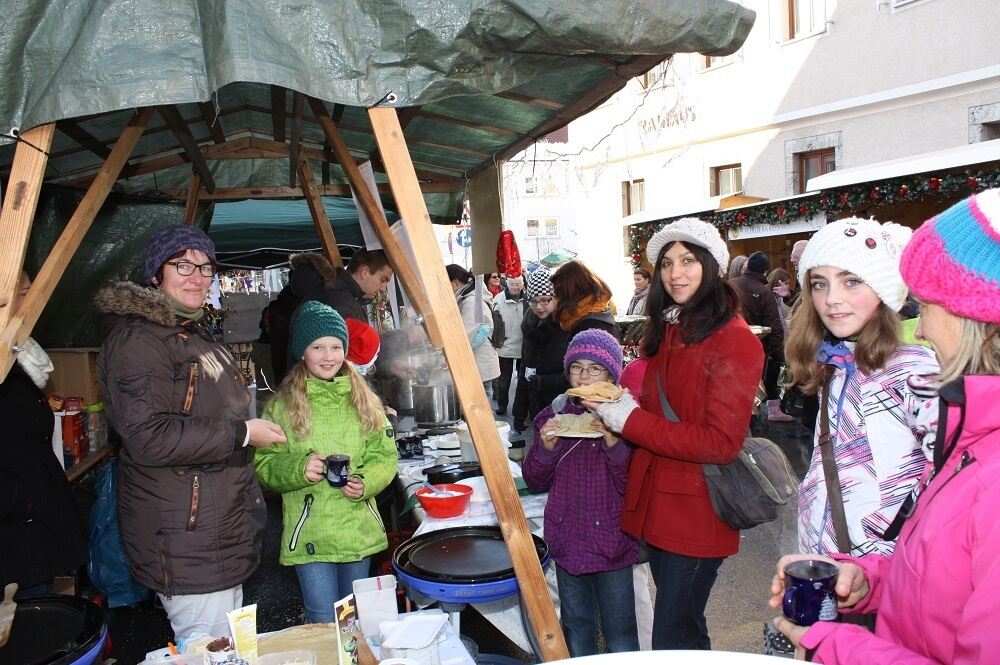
pixel 809 592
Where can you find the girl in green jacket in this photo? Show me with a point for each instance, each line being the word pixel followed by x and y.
pixel 326 408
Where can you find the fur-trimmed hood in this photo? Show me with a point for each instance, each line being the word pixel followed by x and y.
pixel 311 272
pixel 129 299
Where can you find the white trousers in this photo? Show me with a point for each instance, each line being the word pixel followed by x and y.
pixel 643 605
pixel 201 612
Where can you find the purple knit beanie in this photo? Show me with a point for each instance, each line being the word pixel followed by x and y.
pixel 171 240
pixel 597 345
pixel 953 260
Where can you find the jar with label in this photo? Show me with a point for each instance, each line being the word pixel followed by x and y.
pixel 97 426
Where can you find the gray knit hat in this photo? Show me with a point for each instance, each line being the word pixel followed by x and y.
pixel 172 240
pixel 692 231
pixel 539 283
pixel 314 320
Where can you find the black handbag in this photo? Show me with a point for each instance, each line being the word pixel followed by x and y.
pixel 751 489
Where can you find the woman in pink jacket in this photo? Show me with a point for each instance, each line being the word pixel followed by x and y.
pixel 938 595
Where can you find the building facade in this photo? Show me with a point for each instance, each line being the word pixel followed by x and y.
pixel 819 85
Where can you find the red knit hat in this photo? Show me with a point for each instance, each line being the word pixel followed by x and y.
pixel 364 344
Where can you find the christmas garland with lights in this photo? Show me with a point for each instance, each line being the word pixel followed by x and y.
pixel 833 203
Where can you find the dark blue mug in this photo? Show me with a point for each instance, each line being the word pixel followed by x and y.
pixel 403 447
pixel 809 592
pixel 338 469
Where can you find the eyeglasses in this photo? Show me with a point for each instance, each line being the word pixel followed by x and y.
pixel 593 370
pixel 535 302
pixel 186 268
pixel 494 276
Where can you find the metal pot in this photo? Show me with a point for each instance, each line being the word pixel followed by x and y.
pixel 435 404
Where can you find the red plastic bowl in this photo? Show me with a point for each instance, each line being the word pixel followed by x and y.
pixel 445 506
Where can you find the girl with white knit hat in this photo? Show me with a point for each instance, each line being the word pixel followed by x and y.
pixel 844 344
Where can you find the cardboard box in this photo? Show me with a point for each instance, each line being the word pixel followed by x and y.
pixel 75 374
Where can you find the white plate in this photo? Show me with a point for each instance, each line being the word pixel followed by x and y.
pixel 578 435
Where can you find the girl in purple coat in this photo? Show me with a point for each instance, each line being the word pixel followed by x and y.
pixel 585 478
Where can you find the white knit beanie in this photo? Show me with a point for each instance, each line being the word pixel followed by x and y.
pixel 866 248
pixel 690 231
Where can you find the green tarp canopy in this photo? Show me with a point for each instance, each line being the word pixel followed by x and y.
pixel 261 234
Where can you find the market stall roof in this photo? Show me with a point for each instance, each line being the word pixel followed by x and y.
pixel 939 160
pixel 239 85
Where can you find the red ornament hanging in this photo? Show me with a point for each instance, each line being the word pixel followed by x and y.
pixel 508 255
pixel 780 212
pixel 873 194
pixel 934 183
pixel 904 190
pixel 637 258
pixel 972 183
pixel 844 198
pixel 741 217
pixel 803 211
pixel 824 201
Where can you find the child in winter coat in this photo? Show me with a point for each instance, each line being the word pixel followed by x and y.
pixel 325 407
pixel 585 478
pixel 844 344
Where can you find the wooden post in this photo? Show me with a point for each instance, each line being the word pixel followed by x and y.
pixel 475 406
pixel 194 191
pixel 318 211
pixel 19 204
pixel 400 261
pixel 21 323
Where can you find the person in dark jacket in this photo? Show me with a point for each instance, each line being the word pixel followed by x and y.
pixel 39 521
pixel 759 309
pixel 190 511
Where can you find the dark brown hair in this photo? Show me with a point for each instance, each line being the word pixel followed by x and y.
pixel 573 282
pixel 457 273
pixel 778 274
pixel 643 272
pixel 375 259
pixel 711 307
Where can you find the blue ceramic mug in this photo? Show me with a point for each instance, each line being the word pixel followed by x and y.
pixel 809 592
pixel 338 469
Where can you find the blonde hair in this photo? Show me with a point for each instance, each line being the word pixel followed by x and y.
pixel 978 351
pixel 877 341
pixel 293 394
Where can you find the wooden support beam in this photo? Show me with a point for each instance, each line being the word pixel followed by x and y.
pixel 293 145
pixel 469 123
pixel 534 101
pixel 469 387
pixel 213 121
pixel 173 118
pixel 19 204
pixel 400 262
pixel 191 206
pixel 23 320
pixel 84 138
pixel 278 113
pixel 318 212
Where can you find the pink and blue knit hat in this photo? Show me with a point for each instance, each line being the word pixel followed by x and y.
pixel 599 346
pixel 953 260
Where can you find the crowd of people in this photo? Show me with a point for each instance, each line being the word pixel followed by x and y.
pixel 900 493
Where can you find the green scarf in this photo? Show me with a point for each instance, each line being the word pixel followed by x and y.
pixel 182 312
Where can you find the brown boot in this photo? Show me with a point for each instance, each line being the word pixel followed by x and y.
pixel 775 414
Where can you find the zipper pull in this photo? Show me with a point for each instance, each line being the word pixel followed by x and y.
pixel 967 459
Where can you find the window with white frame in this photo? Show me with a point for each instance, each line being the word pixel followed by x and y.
pixel 984 122
pixel 532 226
pixel 530 186
pixel 552 227
pixel 633 196
pixel 713 61
pixel 804 17
pixel 726 180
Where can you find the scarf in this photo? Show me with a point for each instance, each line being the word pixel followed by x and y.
pixel 35 362
pixel 185 314
pixel 841 356
pixel 587 305
pixel 672 315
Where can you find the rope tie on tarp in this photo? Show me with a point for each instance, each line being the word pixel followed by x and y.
pixel 15 134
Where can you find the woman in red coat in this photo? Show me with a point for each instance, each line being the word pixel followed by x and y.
pixel 707 363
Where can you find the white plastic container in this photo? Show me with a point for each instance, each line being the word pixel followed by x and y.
pixel 376 601
pixel 416 637
pixel 469 449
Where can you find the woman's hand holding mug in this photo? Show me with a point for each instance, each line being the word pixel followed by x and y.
pixel 315 469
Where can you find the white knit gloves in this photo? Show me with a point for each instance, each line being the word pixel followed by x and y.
pixel 614 414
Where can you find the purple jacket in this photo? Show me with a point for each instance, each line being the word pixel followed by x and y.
pixel 586 484
pixel 938 594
